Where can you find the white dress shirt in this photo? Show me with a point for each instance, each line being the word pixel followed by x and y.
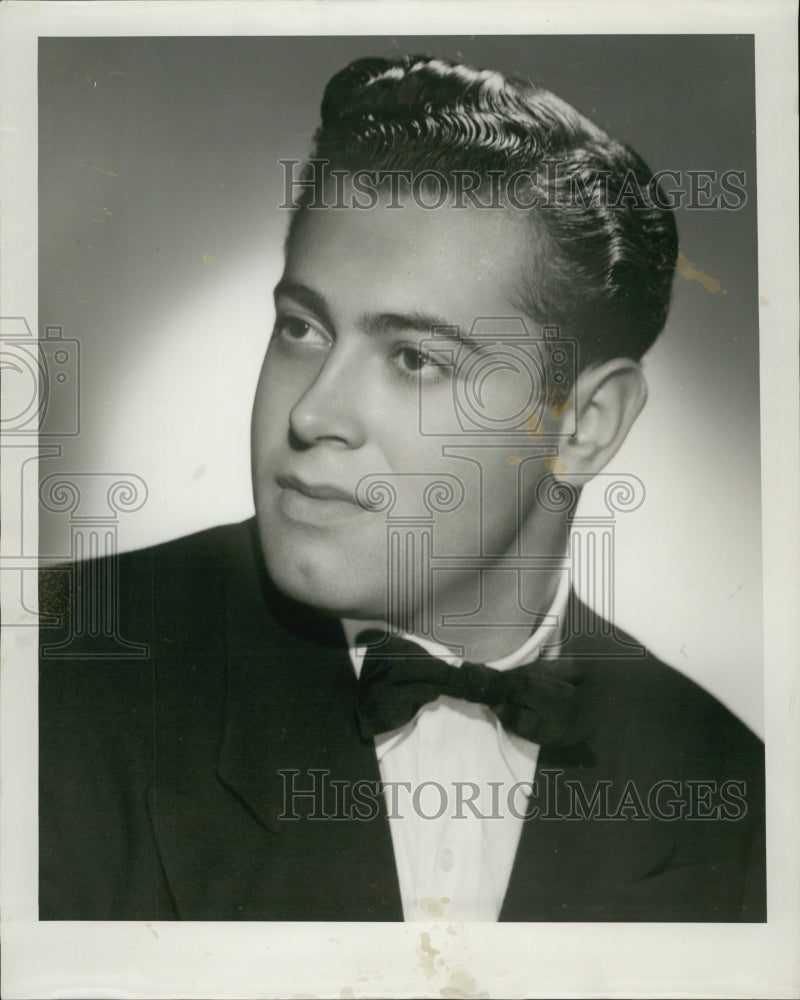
pixel 456 787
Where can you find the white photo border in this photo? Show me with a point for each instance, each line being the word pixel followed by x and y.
pixel 164 959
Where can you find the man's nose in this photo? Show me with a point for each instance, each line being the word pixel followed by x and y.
pixel 331 408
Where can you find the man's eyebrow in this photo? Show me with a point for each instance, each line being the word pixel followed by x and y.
pixel 373 323
pixel 305 297
pixel 392 322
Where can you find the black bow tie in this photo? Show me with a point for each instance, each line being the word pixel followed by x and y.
pixel 538 701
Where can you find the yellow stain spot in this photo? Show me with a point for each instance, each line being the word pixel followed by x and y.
pixel 557 465
pixel 87 79
pixel 686 269
pixel 559 409
pixel 513 459
pixel 433 907
pixel 108 173
pixel 763 300
pixel 462 986
pixel 209 258
pixel 426 954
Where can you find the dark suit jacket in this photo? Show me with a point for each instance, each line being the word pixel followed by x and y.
pixel 161 792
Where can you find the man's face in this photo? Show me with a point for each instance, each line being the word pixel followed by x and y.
pixel 343 387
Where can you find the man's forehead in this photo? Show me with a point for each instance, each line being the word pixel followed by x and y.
pixel 436 259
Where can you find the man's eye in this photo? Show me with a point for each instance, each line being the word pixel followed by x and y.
pixel 415 360
pixel 416 364
pixel 293 329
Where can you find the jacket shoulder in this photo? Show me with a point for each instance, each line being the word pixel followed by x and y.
pixel 136 584
pixel 652 711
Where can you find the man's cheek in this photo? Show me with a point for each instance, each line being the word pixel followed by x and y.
pixel 283 386
pixel 275 398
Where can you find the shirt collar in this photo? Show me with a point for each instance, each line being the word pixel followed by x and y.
pixel 519 754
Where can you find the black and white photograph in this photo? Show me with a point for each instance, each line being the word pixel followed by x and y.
pixel 400 539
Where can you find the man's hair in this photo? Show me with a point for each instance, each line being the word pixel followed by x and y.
pixel 605 244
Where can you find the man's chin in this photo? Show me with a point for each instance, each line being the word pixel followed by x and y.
pixel 332 590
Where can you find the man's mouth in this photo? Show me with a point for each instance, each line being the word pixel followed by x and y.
pixel 315 503
pixel 317 491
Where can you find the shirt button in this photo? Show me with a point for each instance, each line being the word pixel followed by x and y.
pixel 445 859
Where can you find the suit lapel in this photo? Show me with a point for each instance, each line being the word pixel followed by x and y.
pixel 246 843
pixel 572 864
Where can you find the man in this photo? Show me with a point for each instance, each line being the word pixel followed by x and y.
pixel 380 701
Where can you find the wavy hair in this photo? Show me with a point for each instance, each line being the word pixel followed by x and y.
pixel 604 247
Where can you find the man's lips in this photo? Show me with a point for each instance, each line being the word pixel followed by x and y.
pixel 315 504
pixel 317 491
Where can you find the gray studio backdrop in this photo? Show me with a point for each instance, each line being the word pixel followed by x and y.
pixel 160 241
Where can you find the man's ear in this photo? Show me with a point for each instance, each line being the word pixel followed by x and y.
pixel 608 398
